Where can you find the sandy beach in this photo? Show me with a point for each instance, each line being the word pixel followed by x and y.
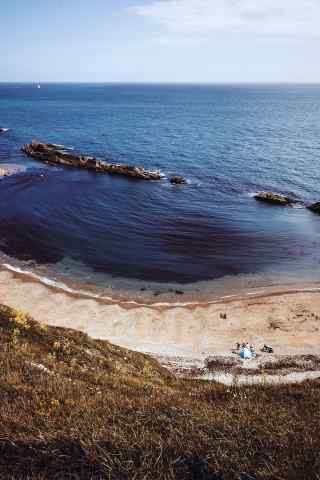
pixel 178 333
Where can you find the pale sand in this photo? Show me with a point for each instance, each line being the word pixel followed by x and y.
pixel 289 321
pixel 229 379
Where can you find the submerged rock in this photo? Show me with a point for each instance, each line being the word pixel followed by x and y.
pixel 176 180
pixel 274 198
pixel 10 169
pixel 51 153
pixel 315 207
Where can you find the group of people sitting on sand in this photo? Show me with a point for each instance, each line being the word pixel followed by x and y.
pixel 246 350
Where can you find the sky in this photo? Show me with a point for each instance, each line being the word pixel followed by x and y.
pixel 192 41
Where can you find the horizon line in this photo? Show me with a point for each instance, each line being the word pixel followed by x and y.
pixel 55 82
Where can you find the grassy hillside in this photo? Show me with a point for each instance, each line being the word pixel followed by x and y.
pixel 76 408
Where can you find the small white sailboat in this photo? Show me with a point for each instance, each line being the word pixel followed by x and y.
pixel 38 86
pixel 4 130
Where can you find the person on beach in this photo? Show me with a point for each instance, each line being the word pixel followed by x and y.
pixel 245 353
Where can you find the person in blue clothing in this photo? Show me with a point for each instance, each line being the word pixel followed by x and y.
pixel 245 353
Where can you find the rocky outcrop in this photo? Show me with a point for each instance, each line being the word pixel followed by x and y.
pixel 57 154
pixel 176 180
pixel 315 207
pixel 274 198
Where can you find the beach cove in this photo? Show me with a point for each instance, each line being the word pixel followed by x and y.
pixel 180 334
pixel 182 272
pixel 160 240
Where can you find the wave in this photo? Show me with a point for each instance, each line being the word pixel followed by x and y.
pixel 50 282
pixel 60 146
pixel 103 298
pixel 62 286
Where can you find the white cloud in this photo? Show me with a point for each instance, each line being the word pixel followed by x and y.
pixel 293 17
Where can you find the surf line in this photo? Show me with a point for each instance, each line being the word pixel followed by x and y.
pixel 255 293
pixel 61 286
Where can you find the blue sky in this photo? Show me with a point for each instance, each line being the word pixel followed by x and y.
pixel 160 40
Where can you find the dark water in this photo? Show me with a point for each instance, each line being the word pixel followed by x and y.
pixel 229 141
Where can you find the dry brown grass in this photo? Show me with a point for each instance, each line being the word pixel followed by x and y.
pixel 75 408
pixel 295 363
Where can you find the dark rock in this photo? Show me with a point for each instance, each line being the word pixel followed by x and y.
pixel 223 316
pixel 176 180
pixel 315 207
pixel 267 349
pixel 51 153
pixel 274 198
pixel 179 292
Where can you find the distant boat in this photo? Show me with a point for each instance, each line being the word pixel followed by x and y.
pixel 38 86
pixel 3 130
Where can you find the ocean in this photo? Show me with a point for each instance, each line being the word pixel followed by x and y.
pixel 228 141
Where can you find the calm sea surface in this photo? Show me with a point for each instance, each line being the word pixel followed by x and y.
pixel 228 141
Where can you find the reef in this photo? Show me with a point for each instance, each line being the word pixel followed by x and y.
pixel 59 155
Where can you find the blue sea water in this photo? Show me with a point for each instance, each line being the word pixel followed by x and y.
pixel 228 141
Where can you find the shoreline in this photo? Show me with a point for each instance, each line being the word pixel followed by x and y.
pixel 147 297
pixel 183 337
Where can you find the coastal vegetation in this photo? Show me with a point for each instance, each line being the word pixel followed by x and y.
pixel 76 408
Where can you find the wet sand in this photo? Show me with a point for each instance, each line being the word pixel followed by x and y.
pixel 288 319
